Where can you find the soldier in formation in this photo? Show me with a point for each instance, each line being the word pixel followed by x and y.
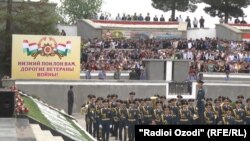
pixel 115 117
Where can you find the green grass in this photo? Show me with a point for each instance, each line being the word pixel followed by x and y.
pixel 35 113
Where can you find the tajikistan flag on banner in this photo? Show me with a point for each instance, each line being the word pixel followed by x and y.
pixel 64 49
pixel 61 49
pixel 25 46
pixel 31 48
pixel 68 46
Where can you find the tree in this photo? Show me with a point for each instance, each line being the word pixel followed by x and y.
pixel 25 18
pixel 226 8
pixel 72 10
pixel 173 5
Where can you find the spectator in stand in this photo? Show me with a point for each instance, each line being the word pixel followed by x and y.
pixel 243 21
pixel 188 21
pixel 102 17
pixel 170 19
pixel 108 17
pixel 140 18
pixel 230 20
pixel 129 18
pixel 222 20
pixel 102 74
pixel 117 73
pixel 124 17
pixel 88 74
pixel 118 18
pixel 126 53
pixel 176 19
pixel 147 18
pixel 195 22
pixel 135 17
pixel 202 21
pixel 143 74
pixel 237 21
pixel 227 71
pixel 162 19
pixel 63 33
pixel 133 75
pixel 95 16
pixel 155 18
pixel 210 66
pixel 180 19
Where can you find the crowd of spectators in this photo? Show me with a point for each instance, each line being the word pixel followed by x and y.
pixel 148 18
pixel 156 18
pixel 235 21
pixel 208 55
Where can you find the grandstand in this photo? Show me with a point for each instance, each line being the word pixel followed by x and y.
pixel 237 32
pixel 89 29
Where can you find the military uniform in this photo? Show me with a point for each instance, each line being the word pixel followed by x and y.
pixel 97 119
pixel 163 100
pixel 239 113
pixel 247 110
pixel 217 111
pixel 209 115
pixel 157 116
pixel 140 114
pixel 241 98
pixel 106 115
pixel 123 123
pixel 200 102
pixel 179 99
pixel 113 105
pixel 132 120
pixel 167 117
pixel 193 111
pixel 228 119
pixel 90 117
pixel 115 119
pixel 85 110
pixel 148 113
pixel 175 111
pixel 185 115
pixel 131 98
pixel 225 106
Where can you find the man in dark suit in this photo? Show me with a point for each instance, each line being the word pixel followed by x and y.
pixel 70 100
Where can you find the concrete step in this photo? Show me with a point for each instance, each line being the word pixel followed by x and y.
pixel 58 138
pixel 8 129
pixel 47 133
pixel 222 76
pixel 44 135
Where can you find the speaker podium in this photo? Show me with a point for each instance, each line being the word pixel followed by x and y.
pixel 167 69
pixel 7 103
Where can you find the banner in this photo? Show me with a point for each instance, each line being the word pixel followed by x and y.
pixel 246 37
pixel 45 57
pixel 140 34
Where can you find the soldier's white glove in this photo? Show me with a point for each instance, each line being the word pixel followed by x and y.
pixel 110 126
pixel 100 126
pixel 126 126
